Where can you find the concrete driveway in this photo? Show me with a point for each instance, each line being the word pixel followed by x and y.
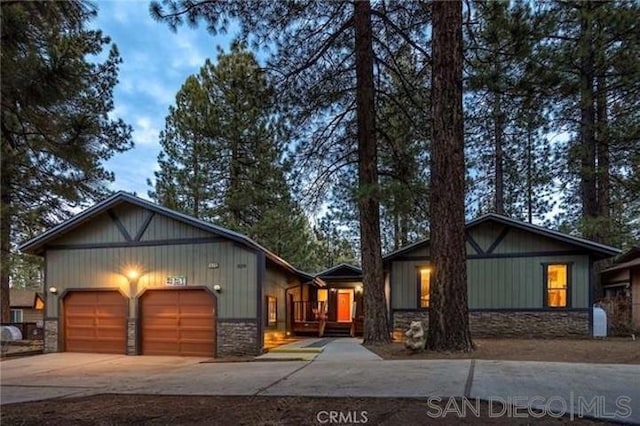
pixel 345 369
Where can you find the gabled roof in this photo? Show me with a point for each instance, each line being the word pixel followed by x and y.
pixel 37 245
pixel 591 246
pixel 628 259
pixel 22 298
pixel 631 254
pixel 343 270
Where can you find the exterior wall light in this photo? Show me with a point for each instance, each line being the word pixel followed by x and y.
pixel 133 274
pixel 53 290
pixel 359 289
pixel 217 288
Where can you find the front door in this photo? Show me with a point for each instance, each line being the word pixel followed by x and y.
pixel 344 306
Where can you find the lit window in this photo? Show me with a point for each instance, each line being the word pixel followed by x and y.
pixel 272 310
pixel 424 276
pixel 557 279
pixel 16 315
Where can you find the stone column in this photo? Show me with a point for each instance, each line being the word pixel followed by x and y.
pixel 132 348
pixel 51 335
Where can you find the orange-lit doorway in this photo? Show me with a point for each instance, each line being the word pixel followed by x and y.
pixel 345 302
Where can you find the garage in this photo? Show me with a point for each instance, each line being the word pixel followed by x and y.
pixel 178 322
pixel 95 321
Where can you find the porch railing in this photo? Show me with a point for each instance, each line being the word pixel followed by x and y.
pixel 309 311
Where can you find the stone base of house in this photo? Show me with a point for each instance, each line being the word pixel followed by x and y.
pixel 131 337
pixel 237 338
pixel 50 335
pixel 528 324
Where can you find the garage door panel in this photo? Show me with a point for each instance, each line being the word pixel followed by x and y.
pixel 178 322
pixel 95 321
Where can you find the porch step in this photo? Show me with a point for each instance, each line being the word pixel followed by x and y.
pixel 337 330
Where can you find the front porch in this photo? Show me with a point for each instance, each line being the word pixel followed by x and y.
pixel 332 305
pixel 313 319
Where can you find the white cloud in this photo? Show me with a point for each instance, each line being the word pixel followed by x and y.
pixel 145 131
pixel 188 54
pixel 156 61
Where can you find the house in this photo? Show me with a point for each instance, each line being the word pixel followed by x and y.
pixel 623 278
pixel 522 280
pixel 27 306
pixel 330 305
pixel 128 276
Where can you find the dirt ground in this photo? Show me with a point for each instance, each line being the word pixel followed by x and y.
pixel 608 351
pixel 208 410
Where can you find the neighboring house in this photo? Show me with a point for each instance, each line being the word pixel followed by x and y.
pixel 26 306
pixel 623 278
pixel 128 276
pixel 523 280
pixel 332 305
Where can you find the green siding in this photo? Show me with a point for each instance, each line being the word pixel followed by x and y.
pixel 404 279
pixel 518 241
pixel 165 228
pixel 95 268
pixel 498 283
pixel 132 217
pixel 101 230
pixel 276 284
pixel 485 235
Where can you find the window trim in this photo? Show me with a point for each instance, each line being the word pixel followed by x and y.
pixel 545 284
pixel 21 312
pixel 419 286
pixel 269 323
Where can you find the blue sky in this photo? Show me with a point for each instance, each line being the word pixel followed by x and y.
pixel 156 61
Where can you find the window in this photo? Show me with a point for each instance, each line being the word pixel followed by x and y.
pixel 16 315
pixel 424 282
pixel 272 311
pixel 557 285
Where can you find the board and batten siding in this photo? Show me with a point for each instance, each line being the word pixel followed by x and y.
pixel 276 284
pixel 404 281
pixel 517 241
pixel 106 267
pixel 497 283
pixel 102 230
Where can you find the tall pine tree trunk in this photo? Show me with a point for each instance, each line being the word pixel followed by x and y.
pixel 498 132
pixel 499 160
pixel 376 325
pixel 530 171
pixel 448 313
pixel 588 189
pixel 5 230
pixel 602 145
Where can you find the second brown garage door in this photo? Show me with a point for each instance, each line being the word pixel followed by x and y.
pixel 178 322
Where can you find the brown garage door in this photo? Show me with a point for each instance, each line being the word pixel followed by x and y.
pixel 178 322
pixel 95 321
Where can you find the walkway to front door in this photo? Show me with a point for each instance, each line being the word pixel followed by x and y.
pixel 330 350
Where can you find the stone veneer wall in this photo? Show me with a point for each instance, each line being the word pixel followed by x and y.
pixel 51 335
pixel 131 337
pixel 238 337
pixel 508 323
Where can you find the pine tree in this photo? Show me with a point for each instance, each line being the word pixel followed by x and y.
pixel 503 106
pixel 222 158
pixel 448 313
pixel 593 75
pixel 404 149
pixel 321 51
pixel 56 132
